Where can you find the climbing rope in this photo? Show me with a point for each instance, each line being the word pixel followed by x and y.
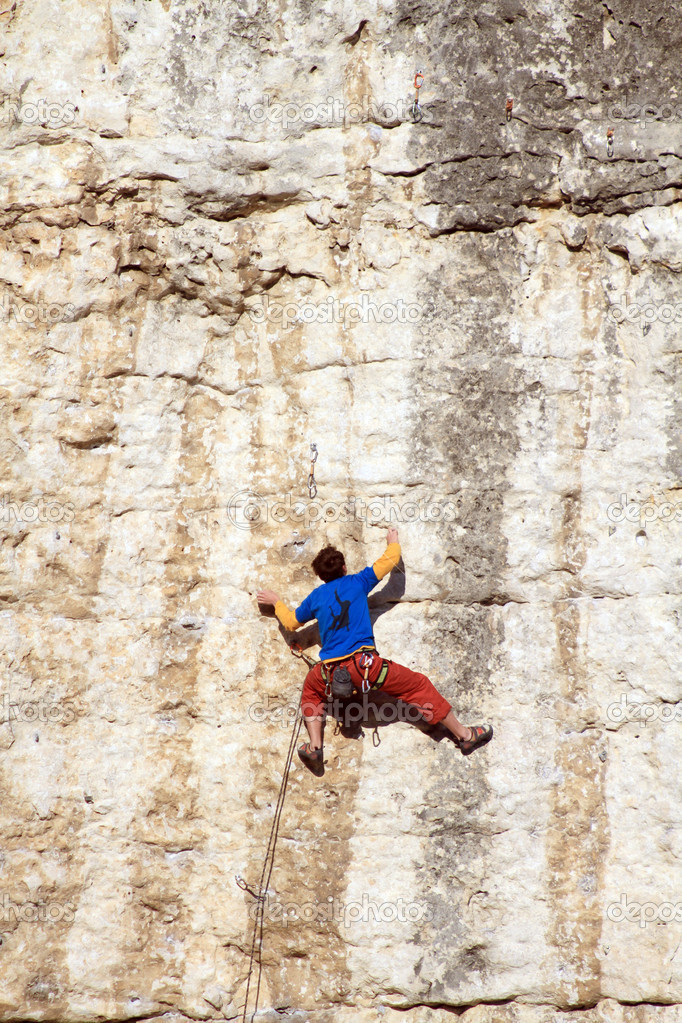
pixel 312 485
pixel 256 953
pixel 416 108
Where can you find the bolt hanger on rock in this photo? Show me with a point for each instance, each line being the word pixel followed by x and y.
pixel 416 108
pixel 241 883
pixel 312 485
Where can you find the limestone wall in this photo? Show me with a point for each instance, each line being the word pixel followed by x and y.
pixel 223 238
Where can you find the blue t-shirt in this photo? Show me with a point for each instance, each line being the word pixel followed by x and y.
pixel 342 613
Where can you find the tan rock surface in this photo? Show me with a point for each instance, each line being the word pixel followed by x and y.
pixel 223 238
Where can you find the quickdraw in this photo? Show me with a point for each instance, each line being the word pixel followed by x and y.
pixel 241 883
pixel 416 108
pixel 312 485
pixel 609 142
pixel 508 109
pixel 366 662
pixel 327 679
pixel 298 651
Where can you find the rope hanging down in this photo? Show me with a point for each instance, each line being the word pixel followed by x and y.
pixel 256 954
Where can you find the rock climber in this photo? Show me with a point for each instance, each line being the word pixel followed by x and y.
pixel 340 606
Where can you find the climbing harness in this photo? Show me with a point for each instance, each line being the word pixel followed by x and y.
pixel 338 682
pixel 416 108
pixel 508 109
pixel 609 142
pixel 312 485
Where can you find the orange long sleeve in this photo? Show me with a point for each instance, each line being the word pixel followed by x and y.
pixel 286 616
pixel 388 560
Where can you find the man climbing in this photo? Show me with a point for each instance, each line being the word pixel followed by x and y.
pixel 340 606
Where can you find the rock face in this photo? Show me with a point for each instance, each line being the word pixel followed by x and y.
pixel 226 235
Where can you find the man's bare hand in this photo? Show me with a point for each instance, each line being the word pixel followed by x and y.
pixel 392 535
pixel 267 597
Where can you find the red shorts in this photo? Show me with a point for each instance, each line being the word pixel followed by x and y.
pixel 409 686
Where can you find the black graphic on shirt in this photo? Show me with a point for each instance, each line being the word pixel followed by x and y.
pixel 340 620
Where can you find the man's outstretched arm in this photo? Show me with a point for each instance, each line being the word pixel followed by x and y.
pixel 284 614
pixel 382 566
pixel 391 556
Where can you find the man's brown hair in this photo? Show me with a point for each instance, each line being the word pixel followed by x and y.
pixel 329 564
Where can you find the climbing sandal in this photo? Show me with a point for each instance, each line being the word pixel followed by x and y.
pixel 312 758
pixel 480 735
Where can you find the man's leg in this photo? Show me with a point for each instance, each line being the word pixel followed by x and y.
pixel 313 704
pixel 314 727
pixel 416 689
pixel 459 730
